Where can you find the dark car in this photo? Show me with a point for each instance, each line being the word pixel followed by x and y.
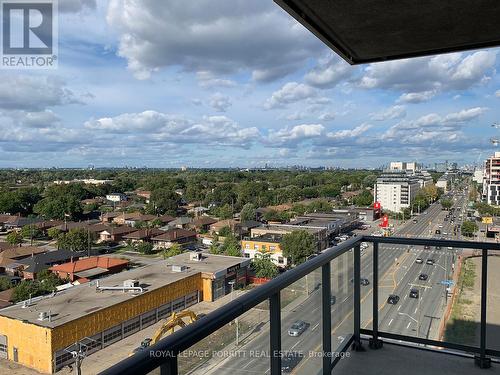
pixel 333 299
pixel 392 299
pixel 414 293
pixel 364 281
pixel 415 221
pixel 438 231
pixel 423 276
pixel 430 261
pixel 290 360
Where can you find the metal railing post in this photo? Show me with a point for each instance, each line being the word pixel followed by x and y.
pixel 275 333
pixel 375 343
pixel 170 367
pixel 482 361
pixel 327 319
pixel 356 345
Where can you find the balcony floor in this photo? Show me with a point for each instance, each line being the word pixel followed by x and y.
pixel 399 360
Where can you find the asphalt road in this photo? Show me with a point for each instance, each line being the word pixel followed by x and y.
pixel 398 273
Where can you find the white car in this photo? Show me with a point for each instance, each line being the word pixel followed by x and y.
pixel 440 225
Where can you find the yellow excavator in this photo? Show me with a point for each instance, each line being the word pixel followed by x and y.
pixel 175 320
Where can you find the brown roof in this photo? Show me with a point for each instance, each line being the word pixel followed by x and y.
pixel 166 218
pixel 48 224
pixel 123 229
pixel 108 215
pixel 89 263
pixel 204 220
pixel 174 234
pixel 144 217
pixel 144 233
pixel 98 228
pixel 5 261
pixel 6 295
pixel 5 245
pixel 223 223
pixel 20 252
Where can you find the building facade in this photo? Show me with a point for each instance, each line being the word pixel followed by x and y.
pixel 491 180
pixel 396 189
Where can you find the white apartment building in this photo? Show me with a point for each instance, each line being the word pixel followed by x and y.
pixel 395 189
pixel 491 180
pixel 404 166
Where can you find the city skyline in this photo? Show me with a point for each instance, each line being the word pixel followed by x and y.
pixel 235 86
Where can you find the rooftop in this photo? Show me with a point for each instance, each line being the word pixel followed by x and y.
pixel 81 300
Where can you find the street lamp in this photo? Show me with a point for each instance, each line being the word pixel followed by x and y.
pixel 232 282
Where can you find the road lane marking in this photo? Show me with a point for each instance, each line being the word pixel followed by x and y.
pixel 408 326
pixel 399 308
pixel 294 345
pixel 416 308
pixel 316 326
pixel 390 322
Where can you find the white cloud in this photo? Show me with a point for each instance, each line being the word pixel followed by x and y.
pixel 291 92
pixel 209 80
pixel 292 136
pixel 327 116
pixel 416 97
pixel 220 36
pixel 444 72
pixel 329 72
pixel 394 112
pixel 220 102
pixel 349 133
pixel 75 6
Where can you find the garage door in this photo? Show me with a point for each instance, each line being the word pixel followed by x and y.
pixel 3 346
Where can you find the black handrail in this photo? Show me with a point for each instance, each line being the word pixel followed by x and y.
pixel 143 362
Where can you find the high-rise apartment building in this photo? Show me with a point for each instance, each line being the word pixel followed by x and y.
pixel 395 189
pixel 491 180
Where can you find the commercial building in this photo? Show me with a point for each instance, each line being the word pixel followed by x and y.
pixel 491 180
pixel 318 232
pixel 116 197
pixel 267 243
pixel 404 166
pixel 42 334
pixel 396 189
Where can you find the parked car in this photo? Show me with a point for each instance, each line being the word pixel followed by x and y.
pixel 414 293
pixel 392 299
pixel 297 328
pixel 423 276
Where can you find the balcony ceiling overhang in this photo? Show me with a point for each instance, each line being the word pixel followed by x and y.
pixel 364 31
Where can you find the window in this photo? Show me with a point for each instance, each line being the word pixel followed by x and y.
pixel 264 247
pixel 272 248
pixel 280 260
pixel 256 247
pixel 191 299
pixel 132 326
pixel 112 335
pixel 178 304
pixel 164 311
pixel 148 318
pixel 246 255
pixel 247 246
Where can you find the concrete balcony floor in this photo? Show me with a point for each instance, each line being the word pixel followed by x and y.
pixel 400 360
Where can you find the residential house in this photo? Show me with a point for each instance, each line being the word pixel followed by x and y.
pixel 29 267
pixel 116 197
pixel 17 222
pixel 6 298
pixel 115 234
pixel 9 257
pixel 143 235
pixel 108 217
pixel 165 219
pixel 243 228
pixel 140 219
pixel 144 194
pixel 44 226
pixel 175 235
pixel 202 224
pixel 216 227
pixel 198 211
pixel 88 268
pixel 5 246
pixel 182 222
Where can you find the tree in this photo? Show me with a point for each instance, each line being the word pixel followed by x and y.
pixel 173 250
pixel 53 233
pixel 77 239
pixel 264 266
pixel 365 198
pixel 144 248
pixel 224 212
pixel 247 212
pixel 163 201
pixel 297 246
pixel 30 231
pixel 446 203
pixel 469 228
pixel 231 246
pixel 15 238
pixel 225 231
pixel 5 283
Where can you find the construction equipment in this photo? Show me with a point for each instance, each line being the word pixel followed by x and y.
pixel 167 328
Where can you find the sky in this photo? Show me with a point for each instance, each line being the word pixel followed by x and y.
pixel 235 83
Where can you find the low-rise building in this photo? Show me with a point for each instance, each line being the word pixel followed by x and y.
pixel 143 235
pixel 116 197
pixel 88 268
pixel 115 234
pixel 30 267
pixel 319 233
pixel 176 235
pixel 265 244
pixel 98 315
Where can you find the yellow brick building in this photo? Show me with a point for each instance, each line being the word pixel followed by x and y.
pixel 264 244
pixel 41 333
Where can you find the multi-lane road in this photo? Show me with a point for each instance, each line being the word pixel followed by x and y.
pixel 398 274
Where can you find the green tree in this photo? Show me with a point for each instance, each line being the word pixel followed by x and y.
pixel 223 212
pixel 31 231
pixel 5 283
pixel 173 250
pixel 77 239
pixel 469 228
pixel 163 201
pixel 15 238
pixel 25 290
pixel 144 248
pixel 446 203
pixel 247 212
pixel 365 198
pixel 53 232
pixel 231 246
pixel 264 266
pixel 225 231
pixel 297 246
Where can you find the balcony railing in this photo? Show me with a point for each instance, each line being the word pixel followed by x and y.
pixel 172 346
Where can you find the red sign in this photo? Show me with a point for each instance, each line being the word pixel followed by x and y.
pixel 376 205
pixel 385 222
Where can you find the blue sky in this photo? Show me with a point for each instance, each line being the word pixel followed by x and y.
pixel 213 83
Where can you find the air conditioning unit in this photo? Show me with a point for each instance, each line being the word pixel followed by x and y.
pixel 44 315
pixel 195 256
pixel 179 268
pixel 131 283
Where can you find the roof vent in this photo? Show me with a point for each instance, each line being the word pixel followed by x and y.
pixel 45 315
pixel 179 268
pixel 131 283
pixel 196 256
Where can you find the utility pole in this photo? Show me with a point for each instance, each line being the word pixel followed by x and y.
pixel 232 282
